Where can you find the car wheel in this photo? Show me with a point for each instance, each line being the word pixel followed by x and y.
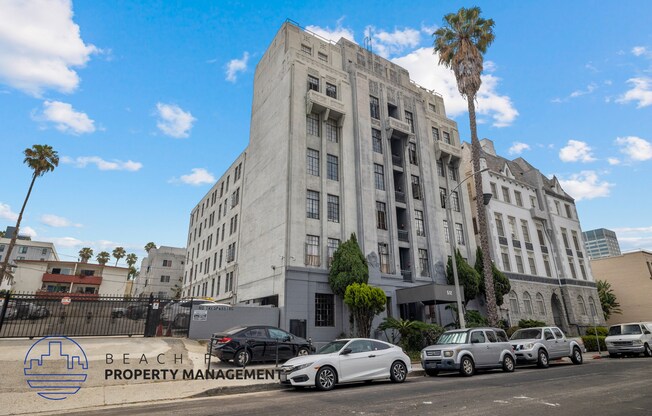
pixel 303 351
pixel 467 368
pixel 431 372
pixel 180 321
pixel 576 358
pixel 119 314
pixel 508 364
pixel 326 378
pixel 398 372
pixel 613 355
pixel 242 357
pixel 542 359
pixel 648 351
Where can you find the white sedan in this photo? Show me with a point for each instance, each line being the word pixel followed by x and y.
pixel 347 360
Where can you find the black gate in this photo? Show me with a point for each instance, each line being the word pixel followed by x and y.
pixel 32 315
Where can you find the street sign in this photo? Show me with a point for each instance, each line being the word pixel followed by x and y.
pixel 155 305
pixel 65 301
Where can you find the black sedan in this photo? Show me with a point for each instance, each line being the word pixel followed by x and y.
pixel 244 345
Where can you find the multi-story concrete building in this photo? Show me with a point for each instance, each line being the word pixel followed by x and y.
pixel 630 276
pixel 601 243
pixel 535 239
pixel 161 273
pixel 24 249
pixel 341 142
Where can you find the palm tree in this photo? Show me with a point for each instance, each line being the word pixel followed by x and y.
pixel 461 43
pixel 150 246
pixel 85 254
pixel 608 300
pixel 41 159
pixel 118 253
pixel 103 257
pixel 131 259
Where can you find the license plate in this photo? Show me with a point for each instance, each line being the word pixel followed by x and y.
pixel 284 377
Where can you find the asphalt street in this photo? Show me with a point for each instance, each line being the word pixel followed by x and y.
pixel 596 388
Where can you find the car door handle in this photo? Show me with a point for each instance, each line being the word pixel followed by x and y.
pixel 372 356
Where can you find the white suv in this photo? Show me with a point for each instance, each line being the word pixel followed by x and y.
pixel 631 338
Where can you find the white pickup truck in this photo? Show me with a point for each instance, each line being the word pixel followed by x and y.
pixel 541 344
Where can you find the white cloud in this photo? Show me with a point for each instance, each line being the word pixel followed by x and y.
pixel 425 70
pixel 7 213
pixel 65 118
pixel 576 151
pixel 613 161
pixel 585 185
pixel 632 238
pixel 199 176
pixel 518 148
pixel 333 34
pixel 639 50
pixel 236 65
pixel 28 231
pixel 577 93
pixel 636 148
pixel 83 161
pixel 173 121
pixel 56 221
pixel 67 242
pixel 387 44
pixel 40 45
pixel 641 92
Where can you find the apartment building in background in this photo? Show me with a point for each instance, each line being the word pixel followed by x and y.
pixel 341 142
pixel 536 240
pixel 601 243
pixel 161 273
pixel 24 249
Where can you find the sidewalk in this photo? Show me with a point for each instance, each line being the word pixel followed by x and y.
pixel 97 390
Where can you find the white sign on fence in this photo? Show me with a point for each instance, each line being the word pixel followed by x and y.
pixel 199 315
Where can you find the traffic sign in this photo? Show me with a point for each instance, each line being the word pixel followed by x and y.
pixel 65 301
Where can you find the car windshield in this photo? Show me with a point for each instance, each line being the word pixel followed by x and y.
pixel 333 346
pixel 614 330
pixel 631 329
pixel 452 338
pixel 530 333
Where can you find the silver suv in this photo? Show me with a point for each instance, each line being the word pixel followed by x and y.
pixel 466 350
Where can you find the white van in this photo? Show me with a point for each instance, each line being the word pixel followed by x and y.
pixel 631 338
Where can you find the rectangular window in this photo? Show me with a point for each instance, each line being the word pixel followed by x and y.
pixel 459 233
pixel 410 120
pixel 452 173
pixel 377 141
pixel 324 309
pixel 418 218
pixel 435 133
pixel 533 265
pixel 564 237
pixel 374 107
pixel 506 197
pixel 306 49
pixel 512 228
pixel 23 249
pixel 526 231
pixel 312 205
pixel 331 90
pixel 568 211
pixel 446 235
pixel 518 198
pixel 571 265
pixel 332 168
pixel 447 137
pixel 576 242
pixel 546 265
pixel 165 279
pixel 379 177
pixel 333 245
pixel 333 203
pixel 423 262
pixel 455 201
pixel 381 215
pixel 312 124
pixel 494 192
pixel 313 83
pixel 416 187
pixel 582 270
pixel 519 262
pixel 383 253
pixel 506 265
pixel 440 168
pixel 331 130
pixel 312 250
pixel 499 224
pixel 533 201
pixel 412 153
pixel 167 263
pixel 432 107
pixel 322 56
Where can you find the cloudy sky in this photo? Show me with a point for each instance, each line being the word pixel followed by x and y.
pixel 148 102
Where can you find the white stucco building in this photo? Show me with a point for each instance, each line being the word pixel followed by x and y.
pixel 24 249
pixel 161 273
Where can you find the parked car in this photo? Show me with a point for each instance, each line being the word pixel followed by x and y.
pixel 118 312
pixel 347 360
pixel 466 350
pixel 12 311
pixel 541 344
pixel 138 311
pixel 630 338
pixel 257 343
pixel 177 313
pixel 39 311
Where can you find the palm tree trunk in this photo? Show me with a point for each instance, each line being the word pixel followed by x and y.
pixel 5 262
pixel 492 309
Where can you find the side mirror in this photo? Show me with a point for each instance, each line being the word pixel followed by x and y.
pixel 287 339
pixel 346 351
pixel 646 332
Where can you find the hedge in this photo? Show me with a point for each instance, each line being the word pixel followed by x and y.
pixel 591 345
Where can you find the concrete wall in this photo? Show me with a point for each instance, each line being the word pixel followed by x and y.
pixel 217 320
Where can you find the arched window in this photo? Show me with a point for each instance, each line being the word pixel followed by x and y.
pixel 594 311
pixel 513 302
pixel 541 305
pixel 527 303
pixel 582 306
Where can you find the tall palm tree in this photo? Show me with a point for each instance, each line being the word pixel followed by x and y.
pixel 131 259
pixel 41 158
pixel 150 246
pixel 608 300
pixel 85 254
pixel 103 257
pixel 461 43
pixel 118 253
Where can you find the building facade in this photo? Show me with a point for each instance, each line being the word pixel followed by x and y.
pixel 24 249
pixel 535 239
pixel 630 276
pixel 601 243
pixel 341 142
pixel 161 273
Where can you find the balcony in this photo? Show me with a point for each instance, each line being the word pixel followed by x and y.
pixel 397 160
pixel 407 275
pixel 329 107
pixel 65 278
pixel 403 235
pixel 445 149
pixel 397 129
pixel 399 196
pixel 537 214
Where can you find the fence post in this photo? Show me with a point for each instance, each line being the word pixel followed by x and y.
pixel 5 304
pixel 148 329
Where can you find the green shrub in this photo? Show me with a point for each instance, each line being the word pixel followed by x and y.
pixel 530 323
pixel 511 330
pixel 475 319
pixel 602 331
pixel 592 345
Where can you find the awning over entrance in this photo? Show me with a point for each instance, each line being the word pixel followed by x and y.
pixel 427 294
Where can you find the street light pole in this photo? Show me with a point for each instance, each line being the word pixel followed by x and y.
pixel 451 240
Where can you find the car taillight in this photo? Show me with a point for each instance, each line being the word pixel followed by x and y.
pixel 224 340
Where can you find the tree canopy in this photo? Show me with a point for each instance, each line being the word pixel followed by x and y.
pixel 349 266
pixel 365 302
pixel 468 277
pixel 501 282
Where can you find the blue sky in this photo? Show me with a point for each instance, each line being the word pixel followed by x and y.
pixel 148 103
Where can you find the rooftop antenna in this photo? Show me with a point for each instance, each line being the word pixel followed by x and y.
pixel 367 44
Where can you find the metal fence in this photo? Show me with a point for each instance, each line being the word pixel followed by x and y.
pixel 38 315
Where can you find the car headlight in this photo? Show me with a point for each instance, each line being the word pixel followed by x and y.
pixel 528 346
pixel 301 367
pixel 448 353
pixel 637 342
